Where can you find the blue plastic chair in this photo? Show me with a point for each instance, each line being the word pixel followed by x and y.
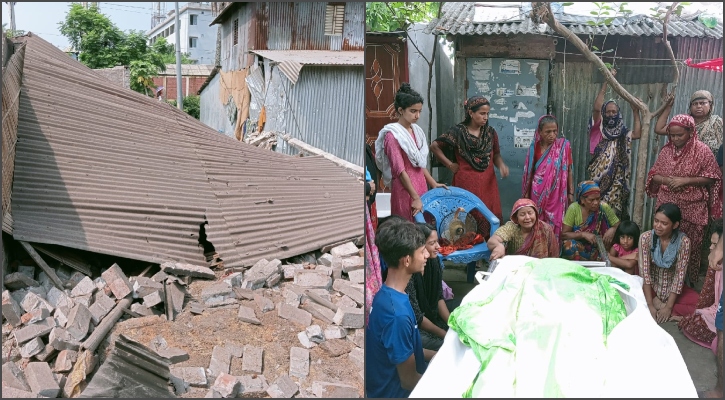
pixel 440 203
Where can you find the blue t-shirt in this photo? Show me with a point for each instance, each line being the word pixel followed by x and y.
pixel 391 337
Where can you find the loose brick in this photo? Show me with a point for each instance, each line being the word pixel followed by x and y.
pixel 117 281
pixel 213 394
pixel 235 279
pixel 246 314
pixel 253 384
pixel 246 294
pixel 344 250
pixel 83 288
pixel 11 309
pixel 181 269
pixel 323 270
pixel 28 270
pixel 273 280
pixel 346 289
pixel 289 270
pixel 41 380
pixel 299 362
pixel 64 361
pixel 257 276
pixel 13 377
pixel 60 339
pixel 252 360
pixel 143 286
pixel 235 351
pixel 58 298
pixel 292 298
pixel 226 385
pixel 350 317
pixel 263 303
pixel 346 301
pixel 194 376
pixel 305 340
pixel 220 361
pixel 33 331
pixel 294 314
pixel 153 299
pixel 139 308
pixel 13 393
pixel 85 301
pixel 357 356
pixel 32 347
pixel 159 277
pixel 319 311
pixel 335 332
pixel 334 390
pixel 61 316
pixel 173 354
pixel 19 280
pixel 356 276
pixel 325 259
pixel 101 307
pixel 47 354
pixel 79 320
pixel 353 263
pixel 337 347
pixel 282 388
pixel 358 338
pixel 31 301
pixel 314 332
pixel 312 279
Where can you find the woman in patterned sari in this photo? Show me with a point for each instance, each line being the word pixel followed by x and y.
pixel 524 235
pixel 686 174
pixel 373 275
pixel 707 124
pixel 585 219
pixel 610 142
pixel 547 176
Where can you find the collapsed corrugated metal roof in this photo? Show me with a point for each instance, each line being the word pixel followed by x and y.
pixel 115 172
pixel 478 19
pixel 188 70
pixel 315 57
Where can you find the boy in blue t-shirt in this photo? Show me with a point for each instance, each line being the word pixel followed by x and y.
pixel 394 356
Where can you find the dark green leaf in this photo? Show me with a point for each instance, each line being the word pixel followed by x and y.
pixel 567 4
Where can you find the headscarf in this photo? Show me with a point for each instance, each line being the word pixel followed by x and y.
pixel 542 242
pixel 476 151
pixel 703 95
pixel 686 121
pixel 585 188
pixel 612 127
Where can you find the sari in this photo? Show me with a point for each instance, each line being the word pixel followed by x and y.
pixel 710 130
pixel 698 204
pixel 545 179
pixel 373 276
pixel 609 166
pixel 700 325
pixel 597 223
pixel 541 241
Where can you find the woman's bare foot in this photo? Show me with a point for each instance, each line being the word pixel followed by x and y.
pixel 676 318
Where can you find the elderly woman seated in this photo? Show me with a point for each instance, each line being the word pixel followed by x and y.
pixel 525 234
pixel 583 221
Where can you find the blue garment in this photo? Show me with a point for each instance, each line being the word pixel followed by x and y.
pixel 391 337
pixel 718 316
pixel 719 157
pixel 367 175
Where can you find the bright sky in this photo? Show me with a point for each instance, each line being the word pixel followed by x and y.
pixel 43 18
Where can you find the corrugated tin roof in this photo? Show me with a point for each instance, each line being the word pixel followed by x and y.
pixel 315 57
pixel 116 172
pixel 461 19
pixel 189 70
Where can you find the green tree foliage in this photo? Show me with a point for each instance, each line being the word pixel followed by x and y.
pixel 102 45
pixel 9 33
pixel 397 16
pixel 191 105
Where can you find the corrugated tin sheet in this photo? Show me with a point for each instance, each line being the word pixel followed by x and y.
pixel 119 75
pixel 315 57
pixel 458 19
pixel 189 70
pixel 115 172
pixel 11 80
pixel 301 26
pixel 323 110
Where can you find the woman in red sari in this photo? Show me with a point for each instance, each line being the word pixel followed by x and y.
pixel 687 175
pixel 469 149
pixel 547 176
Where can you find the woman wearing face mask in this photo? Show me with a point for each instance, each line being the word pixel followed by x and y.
pixel 401 154
pixel 610 142
pixel 686 174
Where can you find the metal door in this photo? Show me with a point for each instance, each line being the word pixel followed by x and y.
pixel 518 92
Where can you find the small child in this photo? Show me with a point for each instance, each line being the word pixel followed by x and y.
pixel 624 253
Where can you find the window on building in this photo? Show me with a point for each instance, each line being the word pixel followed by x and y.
pixel 192 42
pixel 235 32
pixel 171 30
pixel 193 19
pixel 334 18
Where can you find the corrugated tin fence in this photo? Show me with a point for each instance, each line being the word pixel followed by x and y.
pixel 11 80
pixel 322 109
pixel 575 91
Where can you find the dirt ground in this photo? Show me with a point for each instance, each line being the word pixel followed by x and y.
pixel 198 334
pixel 699 360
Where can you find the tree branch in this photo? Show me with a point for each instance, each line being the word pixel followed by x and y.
pixel 666 22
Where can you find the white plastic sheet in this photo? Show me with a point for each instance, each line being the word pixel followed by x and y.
pixel 642 359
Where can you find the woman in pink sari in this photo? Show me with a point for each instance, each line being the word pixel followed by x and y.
pixel 373 275
pixel 547 176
